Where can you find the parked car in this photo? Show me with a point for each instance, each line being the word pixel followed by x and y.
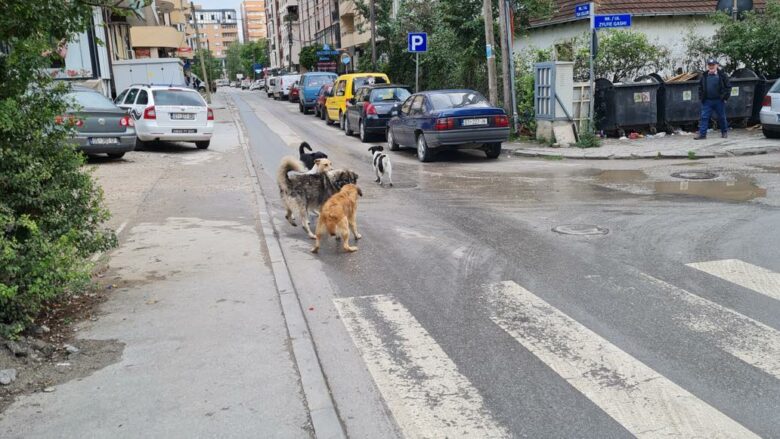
pixel 310 86
pixel 319 104
pixel 246 83
pixel 233 83
pixel 101 126
pixel 770 112
pixel 272 86
pixel 294 92
pixel 344 89
pixel 369 111
pixel 256 85
pixel 448 119
pixel 283 85
pixel 168 113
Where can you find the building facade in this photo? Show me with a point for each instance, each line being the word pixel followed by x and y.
pixel 218 29
pixel 253 20
pixel 320 22
pixel 274 33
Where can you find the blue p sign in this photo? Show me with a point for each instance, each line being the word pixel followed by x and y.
pixel 417 41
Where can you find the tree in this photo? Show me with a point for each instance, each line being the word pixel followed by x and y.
pixel 213 65
pixel 51 211
pixel 308 56
pixel 240 58
pixel 623 54
pixel 753 41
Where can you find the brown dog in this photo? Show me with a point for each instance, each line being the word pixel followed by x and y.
pixel 338 215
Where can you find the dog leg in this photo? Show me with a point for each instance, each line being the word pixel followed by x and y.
pixel 378 177
pixel 318 233
pixel 389 172
pixel 289 216
pixel 344 229
pixel 353 226
pixel 305 222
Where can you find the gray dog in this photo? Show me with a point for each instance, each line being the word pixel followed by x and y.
pixel 304 193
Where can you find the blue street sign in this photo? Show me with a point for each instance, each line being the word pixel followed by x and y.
pixel 612 21
pixel 346 59
pixel 325 47
pixel 582 10
pixel 417 41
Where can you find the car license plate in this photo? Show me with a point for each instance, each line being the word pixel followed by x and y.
pixel 183 116
pixel 179 131
pixel 103 140
pixel 473 122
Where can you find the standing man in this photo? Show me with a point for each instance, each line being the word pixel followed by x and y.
pixel 714 91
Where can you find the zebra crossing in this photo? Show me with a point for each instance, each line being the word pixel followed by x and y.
pixel 429 397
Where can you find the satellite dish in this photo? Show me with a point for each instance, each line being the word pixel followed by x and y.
pixel 728 5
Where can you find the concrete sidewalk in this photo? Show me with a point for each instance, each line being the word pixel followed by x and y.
pixel 740 142
pixel 206 348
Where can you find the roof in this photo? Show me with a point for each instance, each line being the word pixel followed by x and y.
pixel 565 8
pixel 359 75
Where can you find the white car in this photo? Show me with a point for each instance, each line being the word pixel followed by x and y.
pixel 283 88
pixel 770 112
pixel 256 85
pixel 272 86
pixel 176 114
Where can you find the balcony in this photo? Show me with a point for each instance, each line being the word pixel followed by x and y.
pixel 157 36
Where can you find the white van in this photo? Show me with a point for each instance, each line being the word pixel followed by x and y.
pixel 284 84
pixel 271 86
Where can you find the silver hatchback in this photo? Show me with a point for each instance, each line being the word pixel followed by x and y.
pixel 770 112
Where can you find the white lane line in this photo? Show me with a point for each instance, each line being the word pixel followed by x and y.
pixel 427 395
pixel 751 341
pixel 743 274
pixel 643 401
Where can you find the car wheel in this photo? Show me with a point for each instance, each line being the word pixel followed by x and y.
pixel 391 141
pixel 493 150
pixel 203 145
pixel 300 108
pixel 327 116
pixel 116 155
pixel 770 134
pixel 341 120
pixel 347 128
pixel 423 152
pixel 364 137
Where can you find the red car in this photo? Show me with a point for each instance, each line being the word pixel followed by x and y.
pixel 295 92
pixel 319 105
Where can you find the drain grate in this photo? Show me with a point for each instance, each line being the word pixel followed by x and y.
pixel 695 175
pixel 580 229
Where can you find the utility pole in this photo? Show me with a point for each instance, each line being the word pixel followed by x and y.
pixel 373 36
pixel 734 11
pixel 505 55
pixel 487 11
pixel 290 36
pixel 202 60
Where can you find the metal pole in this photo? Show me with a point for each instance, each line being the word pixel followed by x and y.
pixel 202 61
pixel 503 31
pixel 290 36
pixel 373 36
pixel 592 90
pixel 487 12
pixel 417 73
pixel 511 27
pixel 734 10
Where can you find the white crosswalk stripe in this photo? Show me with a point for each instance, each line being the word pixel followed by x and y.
pixel 427 395
pixel 750 276
pixel 752 342
pixel 643 401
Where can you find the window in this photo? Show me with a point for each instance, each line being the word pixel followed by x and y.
pixel 143 98
pixel 92 99
pixel 458 99
pixel 216 27
pixel 340 87
pixel 121 97
pixel 130 99
pixel 176 97
pixel 389 94
pixel 366 80
pixel 417 105
pixel 406 107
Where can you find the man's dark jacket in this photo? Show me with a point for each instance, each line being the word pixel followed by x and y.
pixel 725 86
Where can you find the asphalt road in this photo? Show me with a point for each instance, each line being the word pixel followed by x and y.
pixel 464 314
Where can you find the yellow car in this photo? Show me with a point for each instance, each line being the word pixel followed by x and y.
pixel 344 89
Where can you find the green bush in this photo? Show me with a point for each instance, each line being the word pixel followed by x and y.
pixel 51 211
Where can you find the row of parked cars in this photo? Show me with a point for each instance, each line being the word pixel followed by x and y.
pixel 371 106
pixel 141 114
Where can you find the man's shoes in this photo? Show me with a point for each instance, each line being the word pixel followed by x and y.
pixel 724 135
pixel 700 137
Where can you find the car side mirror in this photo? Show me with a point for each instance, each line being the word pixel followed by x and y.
pixel 352 101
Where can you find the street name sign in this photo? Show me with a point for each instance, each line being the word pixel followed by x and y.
pixel 417 42
pixel 582 10
pixel 612 21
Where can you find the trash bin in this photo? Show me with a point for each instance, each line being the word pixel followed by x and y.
pixel 627 106
pixel 678 104
pixel 762 88
pixel 739 107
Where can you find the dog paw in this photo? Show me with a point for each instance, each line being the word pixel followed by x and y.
pixel 312 236
pixel 391 184
pixel 352 249
pixel 358 236
pixel 315 250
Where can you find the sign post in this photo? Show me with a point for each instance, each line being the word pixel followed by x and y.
pixel 417 42
pixel 597 22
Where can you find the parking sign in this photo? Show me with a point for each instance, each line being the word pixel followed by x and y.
pixel 417 41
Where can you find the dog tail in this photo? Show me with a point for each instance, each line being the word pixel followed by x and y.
pixel 304 146
pixel 288 164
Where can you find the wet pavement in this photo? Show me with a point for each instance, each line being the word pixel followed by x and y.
pixel 461 306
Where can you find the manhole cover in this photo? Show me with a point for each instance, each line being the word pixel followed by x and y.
pixel 580 229
pixel 695 175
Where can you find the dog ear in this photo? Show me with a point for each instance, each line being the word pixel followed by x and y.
pixel 317 161
pixel 359 191
pixel 372 149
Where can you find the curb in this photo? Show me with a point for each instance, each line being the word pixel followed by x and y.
pixel 319 402
pixel 659 155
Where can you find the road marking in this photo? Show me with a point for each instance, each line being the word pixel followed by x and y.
pixel 746 275
pixel 751 341
pixel 427 395
pixel 643 401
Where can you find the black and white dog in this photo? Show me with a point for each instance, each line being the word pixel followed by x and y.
pixel 382 166
pixel 308 159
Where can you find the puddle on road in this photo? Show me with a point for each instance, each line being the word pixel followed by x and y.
pixel 739 188
pixel 622 176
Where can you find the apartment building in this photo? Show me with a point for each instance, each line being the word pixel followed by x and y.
pixel 253 20
pixel 289 33
pixel 355 30
pixel 158 29
pixel 320 22
pixel 274 33
pixel 218 29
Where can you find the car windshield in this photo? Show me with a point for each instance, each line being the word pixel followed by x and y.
pixel 458 99
pixel 366 80
pixel 317 81
pixel 92 99
pixel 776 87
pixel 389 94
pixel 176 97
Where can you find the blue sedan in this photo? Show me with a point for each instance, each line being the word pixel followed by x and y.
pixel 437 120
